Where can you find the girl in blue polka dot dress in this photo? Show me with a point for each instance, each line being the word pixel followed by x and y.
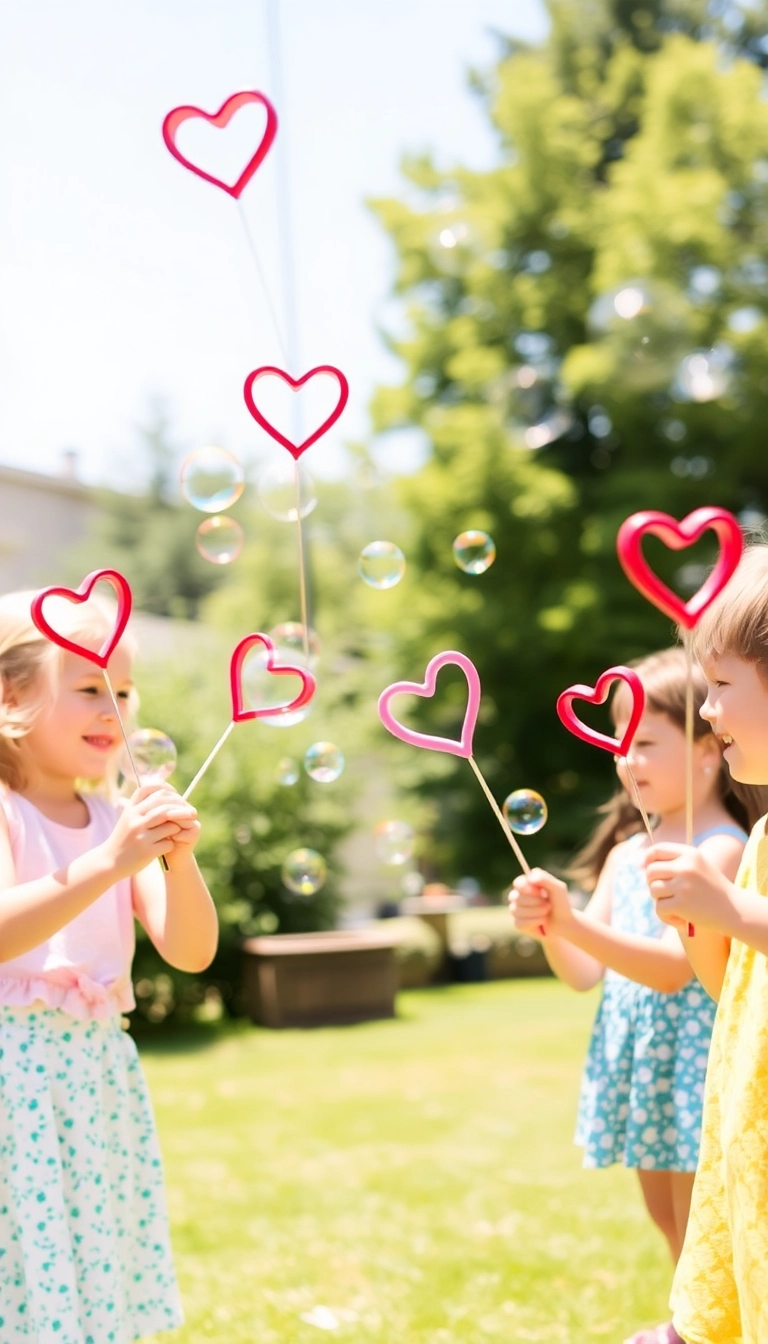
pixel 642 1090
pixel 84 1248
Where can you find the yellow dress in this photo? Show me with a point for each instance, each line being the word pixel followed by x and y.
pixel 720 1292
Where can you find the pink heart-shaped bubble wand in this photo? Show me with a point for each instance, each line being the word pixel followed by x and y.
pixel 460 747
pixel 240 714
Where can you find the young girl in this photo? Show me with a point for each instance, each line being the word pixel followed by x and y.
pixel 643 1084
pixel 84 1249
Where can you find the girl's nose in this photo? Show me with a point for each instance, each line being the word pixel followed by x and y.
pixel 707 712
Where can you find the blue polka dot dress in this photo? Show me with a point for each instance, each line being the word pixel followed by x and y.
pixel 643 1084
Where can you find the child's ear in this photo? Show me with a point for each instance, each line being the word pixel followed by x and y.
pixel 10 696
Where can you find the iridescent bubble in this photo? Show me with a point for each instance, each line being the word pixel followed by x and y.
pixel 276 490
pixel 219 540
pixel 264 689
pixel 323 762
pixel 394 842
pixel 474 551
pixel 381 564
pixel 525 811
pixel 413 884
pixel 287 771
pixel 154 755
pixel 288 638
pixel 304 872
pixel 704 375
pixel 212 479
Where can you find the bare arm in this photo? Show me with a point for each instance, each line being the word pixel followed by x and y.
pixel 708 949
pixel 530 908
pixel 583 942
pixel 175 908
pixel 31 912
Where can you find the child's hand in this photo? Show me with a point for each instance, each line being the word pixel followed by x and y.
pixel 187 836
pixel 149 824
pixel 540 901
pixel 687 888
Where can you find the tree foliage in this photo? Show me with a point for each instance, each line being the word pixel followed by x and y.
pixel 587 337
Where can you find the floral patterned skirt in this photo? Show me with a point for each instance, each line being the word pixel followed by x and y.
pixel 84 1248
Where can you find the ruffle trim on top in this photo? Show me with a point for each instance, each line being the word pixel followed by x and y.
pixel 70 990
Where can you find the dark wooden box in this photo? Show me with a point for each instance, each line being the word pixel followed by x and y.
pixel 319 979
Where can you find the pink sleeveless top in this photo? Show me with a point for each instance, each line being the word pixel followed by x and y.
pixel 85 968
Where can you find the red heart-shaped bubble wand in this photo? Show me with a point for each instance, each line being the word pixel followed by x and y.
pixel 678 535
pixel 456 747
pixel 297 445
pixel 240 714
pixel 597 695
pixel 102 655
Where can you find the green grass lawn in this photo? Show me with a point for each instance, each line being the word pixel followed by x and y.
pixel 416 1177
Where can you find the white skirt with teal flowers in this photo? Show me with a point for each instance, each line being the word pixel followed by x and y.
pixel 84 1248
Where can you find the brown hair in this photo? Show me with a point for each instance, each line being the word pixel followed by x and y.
pixel 29 665
pixel 736 623
pixel 664 676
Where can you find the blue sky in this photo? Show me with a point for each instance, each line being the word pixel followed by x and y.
pixel 123 277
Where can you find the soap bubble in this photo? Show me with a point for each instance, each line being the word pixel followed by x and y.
pixel 323 762
pixel 287 771
pixel 212 479
pixel 288 639
pixel 413 884
pixel 525 811
pixel 393 842
pixel 381 564
pixel 263 689
pixel 276 490
pixel 474 551
pixel 219 540
pixel 304 872
pixel 154 755
pixel 645 326
pixel 704 375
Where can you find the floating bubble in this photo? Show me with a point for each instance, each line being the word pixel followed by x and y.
pixel 413 884
pixel 276 490
pixel 381 564
pixel 264 689
pixel 474 551
pixel 550 428
pixel 645 325
pixel 154 755
pixel 525 811
pixel 219 540
pixel 304 872
pixel 393 842
pixel 288 639
pixel 287 771
pixel 704 375
pixel 212 479
pixel 323 762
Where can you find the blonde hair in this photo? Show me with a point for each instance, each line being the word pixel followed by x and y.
pixel 30 663
pixel 736 623
pixel 664 677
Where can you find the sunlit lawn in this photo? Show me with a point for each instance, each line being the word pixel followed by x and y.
pixel 416 1178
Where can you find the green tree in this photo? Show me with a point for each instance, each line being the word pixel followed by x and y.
pixel 587 337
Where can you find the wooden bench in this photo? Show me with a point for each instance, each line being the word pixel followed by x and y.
pixel 319 979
